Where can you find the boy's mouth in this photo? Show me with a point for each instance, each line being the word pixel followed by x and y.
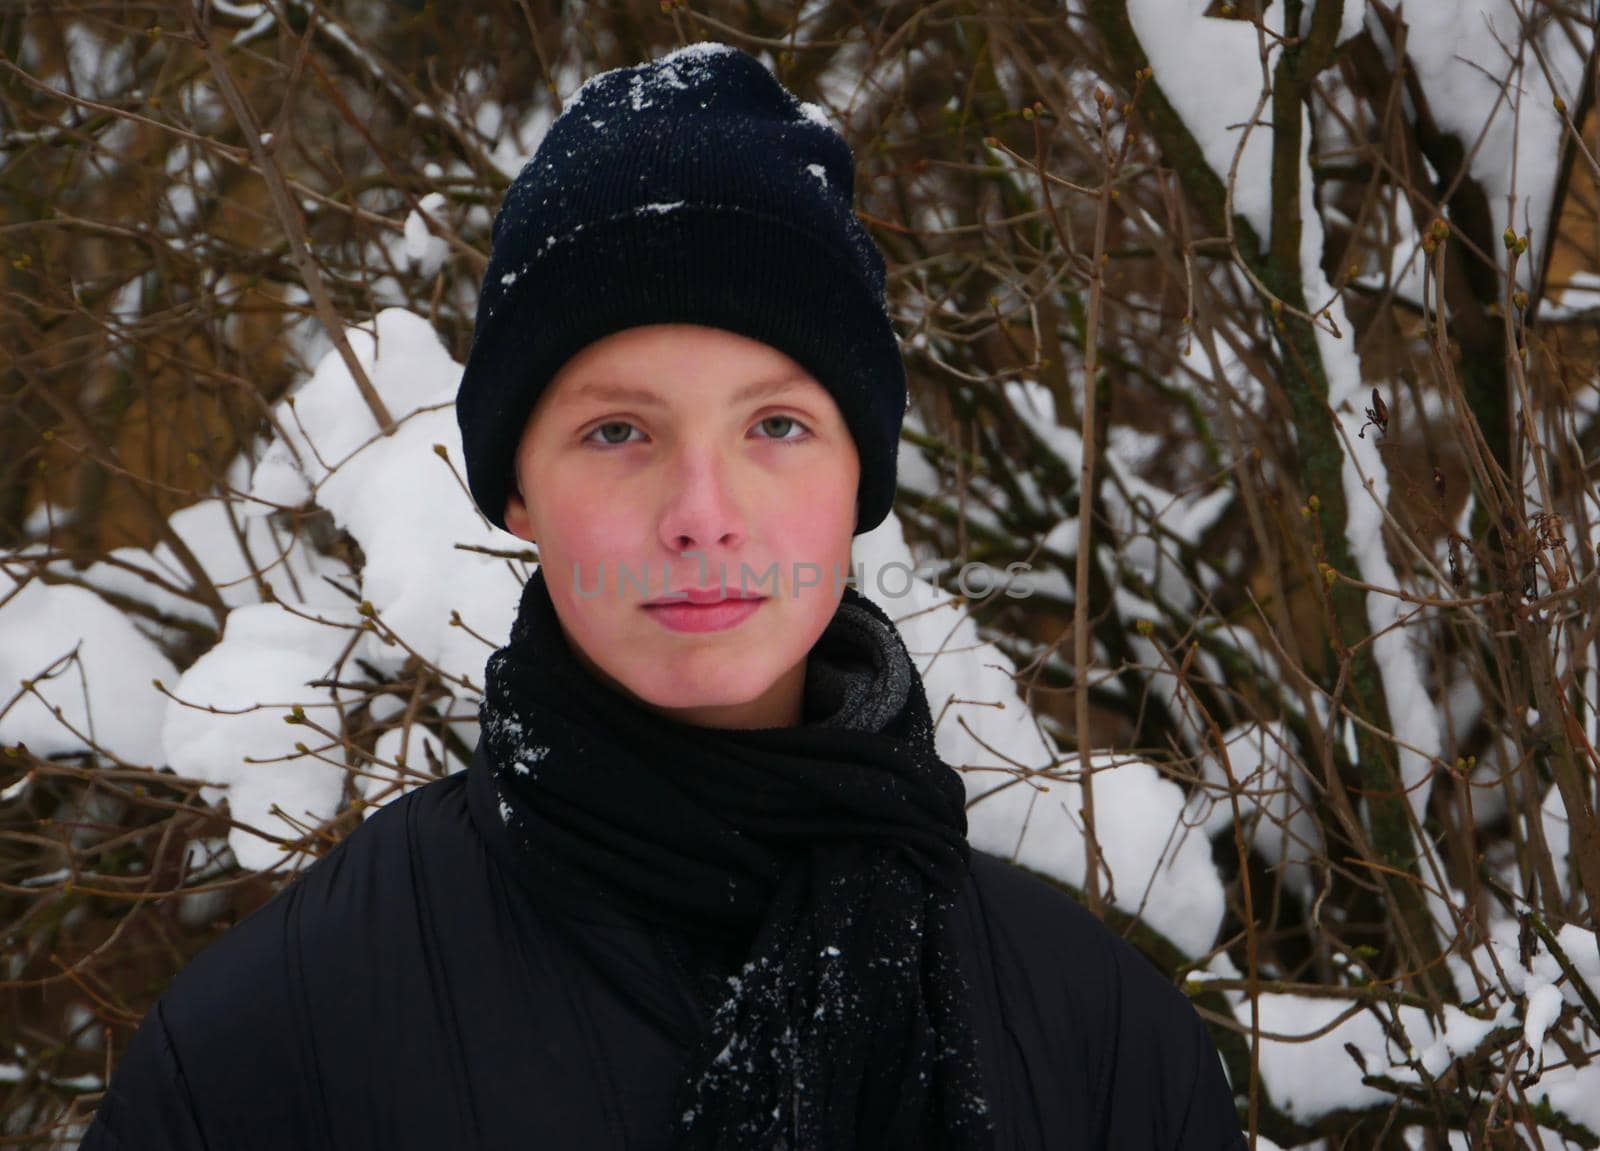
pixel 718 615
pixel 702 596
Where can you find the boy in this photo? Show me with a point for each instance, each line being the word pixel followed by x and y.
pixel 706 883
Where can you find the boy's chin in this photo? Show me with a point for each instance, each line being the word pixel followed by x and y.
pixel 726 684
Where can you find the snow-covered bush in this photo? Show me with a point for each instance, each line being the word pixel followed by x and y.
pixel 1303 697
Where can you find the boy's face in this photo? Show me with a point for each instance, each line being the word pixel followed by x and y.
pixel 615 489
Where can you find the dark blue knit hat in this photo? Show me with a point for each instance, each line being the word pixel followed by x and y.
pixel 694 188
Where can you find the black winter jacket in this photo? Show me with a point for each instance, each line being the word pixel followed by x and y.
pixel 406 991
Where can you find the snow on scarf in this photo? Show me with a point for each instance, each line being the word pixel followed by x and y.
pixel 837 845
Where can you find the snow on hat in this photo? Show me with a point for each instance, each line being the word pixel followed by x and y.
pixel 693 188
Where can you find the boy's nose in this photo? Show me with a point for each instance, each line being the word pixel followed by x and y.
pixel 702 510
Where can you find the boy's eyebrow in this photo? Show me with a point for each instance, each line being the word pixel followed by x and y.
pixel 623 394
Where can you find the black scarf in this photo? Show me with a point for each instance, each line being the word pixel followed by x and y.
pixel 836 846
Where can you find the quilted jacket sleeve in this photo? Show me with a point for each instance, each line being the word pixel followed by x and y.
pixel 1210 1120
pixel 1168 1089
pixel 147 1103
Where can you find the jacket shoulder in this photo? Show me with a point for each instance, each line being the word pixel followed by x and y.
pixel 329 906
pixel 1036 920
pixel 1088 1004
pixel 231 1049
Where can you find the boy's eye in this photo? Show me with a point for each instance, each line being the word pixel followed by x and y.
pixel 782 421
pixel 614 425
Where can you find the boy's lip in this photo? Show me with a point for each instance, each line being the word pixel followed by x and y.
pixel 725 613
pixel 701 596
